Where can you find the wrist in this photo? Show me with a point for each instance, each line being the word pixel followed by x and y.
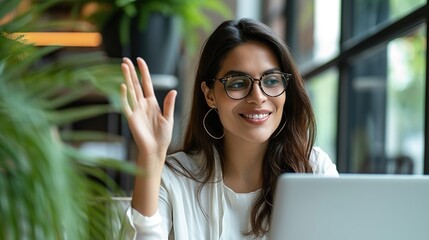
pixel 151 165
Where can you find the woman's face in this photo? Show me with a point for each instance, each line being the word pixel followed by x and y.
pixel 254 118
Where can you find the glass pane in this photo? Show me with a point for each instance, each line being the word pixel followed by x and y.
pixel 399 8
pixel 364 16
pixel 313 33
pixel 366 109
pixel 326 29
pixel 323 91
pixel 405 103
pixel 385 111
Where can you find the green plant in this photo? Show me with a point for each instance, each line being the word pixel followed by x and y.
pixel 48 189
pixel 193 14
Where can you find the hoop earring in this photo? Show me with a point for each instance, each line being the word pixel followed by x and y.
pixel 281 129
pixel 205 128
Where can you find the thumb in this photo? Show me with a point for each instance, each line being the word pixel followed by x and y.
pixel 169 103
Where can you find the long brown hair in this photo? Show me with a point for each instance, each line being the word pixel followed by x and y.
pixel 288 151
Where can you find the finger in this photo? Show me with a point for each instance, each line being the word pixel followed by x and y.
pixel 146 80
pixel 134 78
pixel 169 101
pixel 124 99
pixel 129 85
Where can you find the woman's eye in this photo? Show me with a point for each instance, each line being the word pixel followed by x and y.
pixel 271 82
pixel 237 84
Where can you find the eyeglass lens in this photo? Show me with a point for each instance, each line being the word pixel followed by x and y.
pixel 239 86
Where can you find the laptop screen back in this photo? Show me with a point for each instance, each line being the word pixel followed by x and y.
pixel 351 207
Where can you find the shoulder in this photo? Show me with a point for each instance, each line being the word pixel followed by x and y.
pixel 181 165
pixel 184 160
pixel 321 163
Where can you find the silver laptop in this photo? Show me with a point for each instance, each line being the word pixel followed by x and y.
pixel 351 207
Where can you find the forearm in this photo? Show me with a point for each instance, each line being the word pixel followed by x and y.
pixel 147 185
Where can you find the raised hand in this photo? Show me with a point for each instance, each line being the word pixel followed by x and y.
pixel 152 129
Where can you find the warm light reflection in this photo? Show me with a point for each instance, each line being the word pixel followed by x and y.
pixel 70 39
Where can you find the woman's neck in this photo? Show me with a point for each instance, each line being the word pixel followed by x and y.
pixel 243 165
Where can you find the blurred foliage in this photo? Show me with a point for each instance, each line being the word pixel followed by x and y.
pixel 194 15
pixel 48 189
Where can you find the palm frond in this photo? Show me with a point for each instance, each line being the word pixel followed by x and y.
pixel 48 189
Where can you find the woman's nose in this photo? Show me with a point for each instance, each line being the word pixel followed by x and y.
pixel 256 94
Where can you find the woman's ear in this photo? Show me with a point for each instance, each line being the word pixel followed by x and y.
pixel 208 94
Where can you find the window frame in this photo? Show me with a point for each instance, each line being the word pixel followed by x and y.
pixel 351 48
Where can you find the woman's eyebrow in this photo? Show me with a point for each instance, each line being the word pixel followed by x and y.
pixel 276 69
pixel 233 72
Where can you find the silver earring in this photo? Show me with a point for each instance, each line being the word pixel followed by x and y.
pixel 204 124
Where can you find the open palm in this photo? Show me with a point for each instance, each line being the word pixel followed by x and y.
pixel 152 129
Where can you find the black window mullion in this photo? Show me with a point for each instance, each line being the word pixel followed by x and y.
pixel 343 85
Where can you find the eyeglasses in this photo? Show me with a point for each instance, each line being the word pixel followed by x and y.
pixel 239 86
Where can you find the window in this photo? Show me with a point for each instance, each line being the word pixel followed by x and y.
pixel 362 17
pixel 406 102
pixel 324 97
pixel 313 30
pixel 365 63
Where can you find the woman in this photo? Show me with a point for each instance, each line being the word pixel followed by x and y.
pixel 251 120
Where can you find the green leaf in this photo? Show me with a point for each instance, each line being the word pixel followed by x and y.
pixel 124 30
pixel 48 189
pixel 30 59
pixel 62 100
pixel 70 115
pixel 7 6
pixel 80 136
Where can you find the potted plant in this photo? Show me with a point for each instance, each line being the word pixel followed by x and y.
pixel 152 29
pixel 48 189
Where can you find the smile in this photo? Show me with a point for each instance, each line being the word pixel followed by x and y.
pixel 256 116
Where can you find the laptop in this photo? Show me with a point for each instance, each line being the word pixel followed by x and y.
pixel 351 207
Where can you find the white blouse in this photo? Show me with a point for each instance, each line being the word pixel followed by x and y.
pixel 221 213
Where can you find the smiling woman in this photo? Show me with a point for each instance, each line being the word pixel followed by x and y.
pixel 244 125
pixel 251 121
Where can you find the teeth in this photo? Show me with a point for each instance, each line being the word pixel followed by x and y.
pixel 256 116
